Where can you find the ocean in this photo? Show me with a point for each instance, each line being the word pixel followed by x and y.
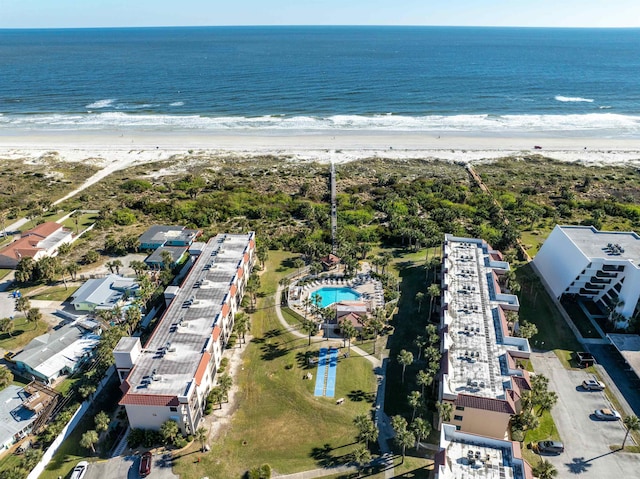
pixel 459 79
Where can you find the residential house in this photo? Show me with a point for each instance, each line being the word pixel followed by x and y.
pixel 163 235
pixel 58 352
pixel 43 240
pixel 104 293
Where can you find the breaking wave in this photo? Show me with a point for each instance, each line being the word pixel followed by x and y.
pixel 101 103
pixel 573 99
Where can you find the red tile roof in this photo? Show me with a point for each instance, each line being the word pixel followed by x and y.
pixel 488 404
pixel 252 244
pixel 240 273
pixel 43 230
pixel 216 332
pixel 246 257
pixel 225 309
pixel 149 400
pixel 202 367
pixel 233 290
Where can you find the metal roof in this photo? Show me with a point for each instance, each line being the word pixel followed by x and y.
pixel 104 291
pixel 476 337
pixel 14 417
pixel 169 360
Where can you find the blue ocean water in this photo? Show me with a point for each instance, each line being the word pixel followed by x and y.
pixel 320 78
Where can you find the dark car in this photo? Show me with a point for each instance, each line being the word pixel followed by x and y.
pixel 585 359
pixel 145 464
pixel 550 447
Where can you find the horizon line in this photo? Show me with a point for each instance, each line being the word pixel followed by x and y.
pixel 113 27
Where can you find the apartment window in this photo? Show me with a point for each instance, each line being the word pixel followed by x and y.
pixel 173 409
pixel 459 408
pixel 458 428
pixel 457 418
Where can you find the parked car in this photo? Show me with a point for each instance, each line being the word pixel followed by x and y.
pixel 80 470
pixel 550 447
pixel 8 356
pixel 145 464
pixel 607 414
pixel 592 385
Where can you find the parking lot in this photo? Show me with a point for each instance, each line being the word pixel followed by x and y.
pixel 587 440
pixel 122 467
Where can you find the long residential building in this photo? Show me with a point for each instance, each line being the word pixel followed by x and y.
pixel 479 375
pixel 603 266
pixel 170 377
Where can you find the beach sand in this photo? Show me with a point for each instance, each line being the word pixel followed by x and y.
pixel 115 150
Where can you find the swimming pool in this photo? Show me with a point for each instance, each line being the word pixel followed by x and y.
pixel 329 295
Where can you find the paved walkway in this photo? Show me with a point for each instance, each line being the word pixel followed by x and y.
pixel 322 472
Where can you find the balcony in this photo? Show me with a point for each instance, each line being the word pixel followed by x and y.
pixel 596 280
pixel 613 267
pixel 602 274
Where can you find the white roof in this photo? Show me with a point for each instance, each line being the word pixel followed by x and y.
pixel 611 245
pixel 13 416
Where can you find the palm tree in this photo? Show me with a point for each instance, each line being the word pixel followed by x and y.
pixel 6 377
pixel 434 292
pixel 6 326
pixel 102 421
pixel 225 382
pixel 33 316
pixel 361 456
pixel 348 331
pixel 423 379
pixel 23 304
pixel 89 439
pixel 201 436
pixel 117 264
pixel 420 342
pixel 546 402
pixel 405 439
pixel 405 358
pixel 217 396
pixel 545 470
pixel 419 299
pixel 310 328
pixel 72 269
pixel 414 399
pixel 632 423
pixel 298 263
pixel 169 431
pixel 444 409
pixel 367 430
pixel 421 429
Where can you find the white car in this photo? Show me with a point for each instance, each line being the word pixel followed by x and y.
pixel 80 470
pixel 607 414
pixel 592 385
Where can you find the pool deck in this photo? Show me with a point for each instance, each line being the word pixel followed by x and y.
pixel 370 290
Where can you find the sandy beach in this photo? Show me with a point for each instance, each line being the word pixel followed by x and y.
pixel 119 149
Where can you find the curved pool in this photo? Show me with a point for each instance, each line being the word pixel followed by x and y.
pixel 330 294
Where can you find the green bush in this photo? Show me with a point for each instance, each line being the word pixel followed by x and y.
pixel 260 472
pixel 180 442
pixel 224 363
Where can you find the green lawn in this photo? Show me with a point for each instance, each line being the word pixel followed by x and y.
pixel 84 221
pixel 4 272
pixel 55 293
pixel 22 333
pixel 538 308
pixel 279 421
pixel 580 320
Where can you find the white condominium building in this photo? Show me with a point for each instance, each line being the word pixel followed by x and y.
pixel 479 374
pixel 170 377
pixel 598 265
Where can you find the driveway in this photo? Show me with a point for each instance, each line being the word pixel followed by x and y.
pixel 625 379
pixel 126 467
pixel 587 440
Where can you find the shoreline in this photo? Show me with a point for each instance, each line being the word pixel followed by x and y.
pixel 138 146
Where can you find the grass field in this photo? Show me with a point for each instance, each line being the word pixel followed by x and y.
pixel 84 221
pixel 55 293
pixel 23 332
pixel 278 420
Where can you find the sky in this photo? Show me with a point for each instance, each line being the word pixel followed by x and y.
pixel 129 13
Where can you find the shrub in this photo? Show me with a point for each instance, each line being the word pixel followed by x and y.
pixel 180 442
pixel 260 472
pixel 224 363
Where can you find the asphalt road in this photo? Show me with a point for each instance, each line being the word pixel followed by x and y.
pixel 625 379
pixel 586 439
pixel 122 467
